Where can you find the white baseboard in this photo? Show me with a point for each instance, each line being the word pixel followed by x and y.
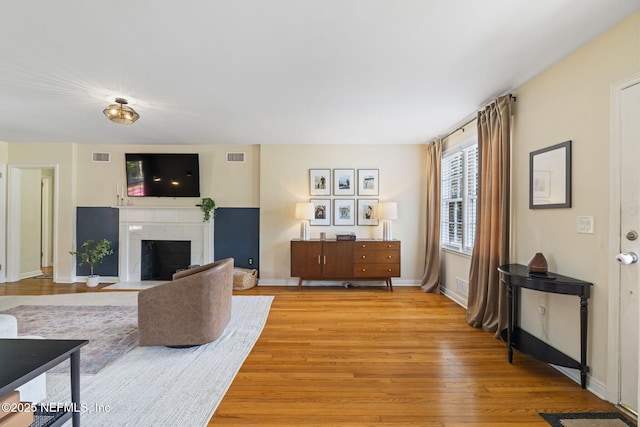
pixel 455 297
pixel 294 282
pixel 103 279
pixel 29 274
pixel 593 385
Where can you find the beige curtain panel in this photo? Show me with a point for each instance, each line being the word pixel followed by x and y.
pixel 487 305
pixel 431 278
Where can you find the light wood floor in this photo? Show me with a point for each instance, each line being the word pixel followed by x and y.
pixel 368 357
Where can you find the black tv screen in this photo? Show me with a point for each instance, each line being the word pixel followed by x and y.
pixel 162 175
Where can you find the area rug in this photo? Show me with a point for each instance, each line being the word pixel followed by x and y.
pixel 588 419
pixel 111 330
pixel 158 386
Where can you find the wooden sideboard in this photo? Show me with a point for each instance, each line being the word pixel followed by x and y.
pixel 345 260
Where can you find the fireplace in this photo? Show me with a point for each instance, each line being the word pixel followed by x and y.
pixel 159 259
pixel 138 224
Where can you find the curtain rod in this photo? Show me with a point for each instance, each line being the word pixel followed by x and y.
pixel 462 126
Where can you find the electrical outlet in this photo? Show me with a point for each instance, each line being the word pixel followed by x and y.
pixel 250 261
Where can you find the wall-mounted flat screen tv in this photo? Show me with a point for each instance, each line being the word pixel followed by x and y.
pixel 162 175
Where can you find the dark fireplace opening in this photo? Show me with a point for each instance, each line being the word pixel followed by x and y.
pixel 161 258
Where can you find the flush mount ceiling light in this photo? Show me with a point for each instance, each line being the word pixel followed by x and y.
pixel 121 113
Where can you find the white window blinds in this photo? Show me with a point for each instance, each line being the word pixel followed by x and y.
pixel 459 198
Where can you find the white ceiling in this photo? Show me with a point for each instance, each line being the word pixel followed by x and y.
pixel 275 71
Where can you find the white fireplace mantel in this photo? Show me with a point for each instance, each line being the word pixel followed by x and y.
pixel 161 223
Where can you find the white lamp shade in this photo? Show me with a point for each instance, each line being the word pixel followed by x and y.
pixel 388 210
pixel 305 211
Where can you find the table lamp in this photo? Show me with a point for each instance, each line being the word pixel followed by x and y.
pixel 305 212
pixel 387 212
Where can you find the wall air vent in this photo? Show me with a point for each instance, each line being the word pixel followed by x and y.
pixel 237 157
pixel 100 157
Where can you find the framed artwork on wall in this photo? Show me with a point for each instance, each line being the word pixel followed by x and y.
pixel 320 182
pixel 550 177
pixel 344 212
pixel 321 212
pixel 344 182
pixel 368 182
pixel 367 211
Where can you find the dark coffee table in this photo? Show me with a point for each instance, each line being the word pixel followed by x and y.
pixel 25 359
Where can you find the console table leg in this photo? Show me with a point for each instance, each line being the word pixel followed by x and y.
pixel 584 325
pixel 75 387
pixel 510 320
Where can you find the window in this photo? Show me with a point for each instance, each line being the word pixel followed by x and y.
pixel 459 197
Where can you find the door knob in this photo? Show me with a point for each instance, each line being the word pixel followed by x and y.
pixel 627 258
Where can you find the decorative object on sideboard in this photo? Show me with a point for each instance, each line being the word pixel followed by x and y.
pixel 387 212
pixel 92 253
pixel 208 205
pixel 121 113
pixel 305 213
pixel 538 264
pixel 345 236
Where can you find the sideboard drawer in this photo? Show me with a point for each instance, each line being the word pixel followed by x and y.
pixel 364 245
pixel 376 270
pixel 377 257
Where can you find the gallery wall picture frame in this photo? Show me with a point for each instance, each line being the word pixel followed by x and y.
pixel 368 211
pixel 319 182
pixel 322 212
pixel 368 182
pixel 344 212
pixel 344 182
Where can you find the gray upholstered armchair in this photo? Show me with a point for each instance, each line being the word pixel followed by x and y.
pixel 193 309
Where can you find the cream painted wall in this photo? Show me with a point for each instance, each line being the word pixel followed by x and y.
pixel 229 184
pixel 284 180
pixel 571 101
pixel 29 223
pixel 4 152
pixel 62 158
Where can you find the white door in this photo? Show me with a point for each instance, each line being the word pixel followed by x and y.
pixel 629 243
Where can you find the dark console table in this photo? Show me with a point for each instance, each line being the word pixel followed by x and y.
pixel 25 359
pixel 516 276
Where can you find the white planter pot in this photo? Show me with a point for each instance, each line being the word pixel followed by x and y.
pixel 92 281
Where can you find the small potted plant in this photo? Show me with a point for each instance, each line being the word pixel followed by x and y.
pixel 92 253
pixel 207 206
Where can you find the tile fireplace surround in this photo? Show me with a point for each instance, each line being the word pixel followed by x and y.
pixel 161 223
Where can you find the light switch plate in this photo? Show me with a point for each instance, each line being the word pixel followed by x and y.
pixel 585 225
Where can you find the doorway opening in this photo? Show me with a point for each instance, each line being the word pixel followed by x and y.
pixel 31 221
